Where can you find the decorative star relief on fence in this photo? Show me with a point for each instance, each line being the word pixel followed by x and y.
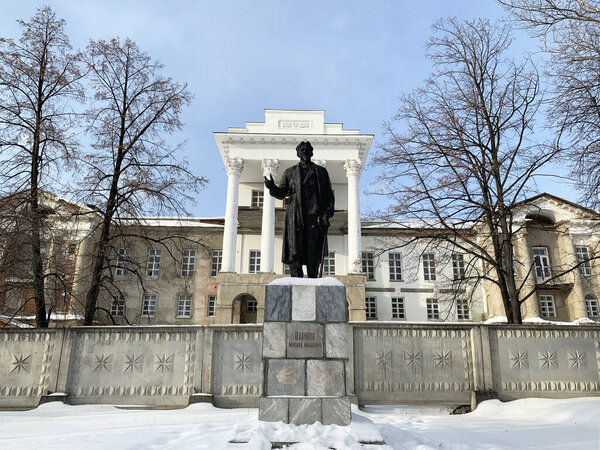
pixel 102 363
pixel 383 360
pixel 443 359
pixel 164 363
pixel 548 360
pixel 577 360
pixel 519 359
pixel 21 363
pixel 243 362
pixel 133 363
pixel 413 359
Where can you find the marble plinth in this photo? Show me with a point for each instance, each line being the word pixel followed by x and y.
pixel 305 352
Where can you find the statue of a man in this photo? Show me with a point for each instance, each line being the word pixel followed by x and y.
pixel 309 208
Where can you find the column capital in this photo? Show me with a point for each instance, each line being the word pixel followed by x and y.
pixel 234 166
pixel 270 167
pixel 352 167
pixel 320 162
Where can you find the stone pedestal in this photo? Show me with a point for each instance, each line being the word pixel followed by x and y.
pixel 305 352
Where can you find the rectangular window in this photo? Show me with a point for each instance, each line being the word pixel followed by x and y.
pixel 458 266
pixel 462 310
pixel 591 305
pixel 329 264
pixel 371 308
pixel 368 265
pixel 251 306
pixel 428 266
pixel 117 307
pixel 395 266
pixel 583 259
pixel 254 266
pixel 184 306
pixel 547 308
pixel 188 263
pixel 541 262
pixel 123 262
pixel 433 309
pixel 257 198
pixel 398 308
pixel 212 301
pixel 217 259
pixel 153 267
pixel 149 305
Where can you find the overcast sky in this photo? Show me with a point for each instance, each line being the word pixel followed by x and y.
pixel 350 58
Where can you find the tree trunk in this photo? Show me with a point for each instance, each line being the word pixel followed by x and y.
pixel 37 264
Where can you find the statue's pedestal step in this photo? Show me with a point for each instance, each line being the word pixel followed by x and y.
pixel 305 352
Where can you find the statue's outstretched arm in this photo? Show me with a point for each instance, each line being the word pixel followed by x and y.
pixel 279 192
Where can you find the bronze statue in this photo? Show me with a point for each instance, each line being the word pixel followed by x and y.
pixel 309 207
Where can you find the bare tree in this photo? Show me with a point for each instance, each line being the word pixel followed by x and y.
pixel 458 158
pixel 39 77
pixel 131 170
pixel 571 35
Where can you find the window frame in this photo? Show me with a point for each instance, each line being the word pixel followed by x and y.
pixel 398 309
pixel 254 267
pixel 547 302
pixel 211 306
pixel 123 262
pixel 117 301
pixel 591 304
pixel 146 306
pixel 188 262
pixel 368 265
pixel 458 267
pixel 185 298
pixel 153 264
pixel 395 266
pixel 433 309
pixel 216 262
pixel 257 198
pixel 329 264
pixel 542 272
pixel 585 269
pixel 462 306
pixel 371 308
pixel 428 264
pixel 254 308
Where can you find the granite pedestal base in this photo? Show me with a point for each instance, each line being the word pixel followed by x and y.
pixel 305 352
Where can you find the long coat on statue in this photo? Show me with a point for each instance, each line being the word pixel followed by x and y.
pixel 291 187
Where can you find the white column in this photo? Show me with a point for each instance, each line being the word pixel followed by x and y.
pixel 267 234
pixel 353 168
pixel 234 168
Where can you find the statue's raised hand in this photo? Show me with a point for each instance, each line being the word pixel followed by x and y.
pixel 269 183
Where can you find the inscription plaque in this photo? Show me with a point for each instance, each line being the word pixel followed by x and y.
pixel 304 340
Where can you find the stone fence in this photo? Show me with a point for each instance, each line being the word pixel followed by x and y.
pixel 390 363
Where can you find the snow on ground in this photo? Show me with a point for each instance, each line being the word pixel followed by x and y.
pixel 523 424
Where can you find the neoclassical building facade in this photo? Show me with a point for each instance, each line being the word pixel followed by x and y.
pixel 214 270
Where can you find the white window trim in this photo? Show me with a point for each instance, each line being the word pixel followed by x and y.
pixel 434 302
pixel 188 269
pixel 547 298
pixel 191 300
pixel 214 306
pixel 373 302
pixel 402 302
pixel 431 267
pixel 155 303
pixel 392 263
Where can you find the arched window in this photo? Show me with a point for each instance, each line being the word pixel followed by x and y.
pixel 591 304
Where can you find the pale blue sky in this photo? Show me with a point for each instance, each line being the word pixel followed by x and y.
pixel 351 58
